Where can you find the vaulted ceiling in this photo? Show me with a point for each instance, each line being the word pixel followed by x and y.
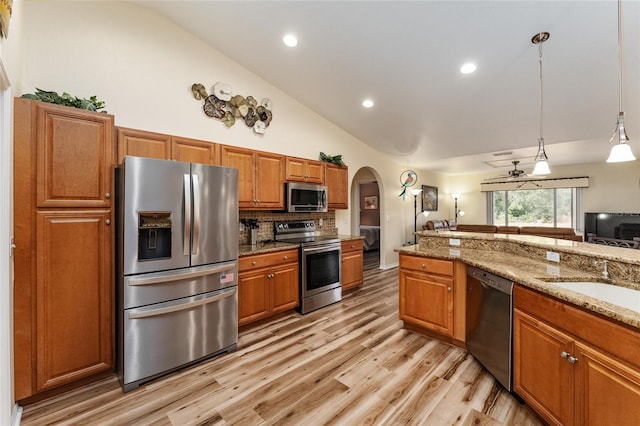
pixel 406 57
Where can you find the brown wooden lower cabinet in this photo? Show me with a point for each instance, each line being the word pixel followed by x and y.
pixel 352 264
pixel 267 284
pixel 432 296
pixel 565 377
pixel 73 333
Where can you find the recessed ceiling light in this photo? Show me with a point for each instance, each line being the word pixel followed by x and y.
pixel 290 40
pixel 468 68
pixel 367 103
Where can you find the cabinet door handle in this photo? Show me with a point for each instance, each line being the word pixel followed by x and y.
pixel 253 263
pixel 108 221
pixel 107 195
pixel 423 266
pixel 286 257
pixel 449 289
pixel 568 357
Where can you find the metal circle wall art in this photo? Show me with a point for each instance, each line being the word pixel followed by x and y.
pixel 224 106
pixel 408 178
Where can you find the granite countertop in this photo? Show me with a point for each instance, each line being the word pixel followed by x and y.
pixel 565 246
pixel 537 274
pixel 344 237
pixel 264 247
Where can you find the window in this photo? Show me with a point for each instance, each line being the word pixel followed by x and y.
pixel 536 207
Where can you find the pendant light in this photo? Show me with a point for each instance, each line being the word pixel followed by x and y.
pixel 542 161
pixel 621 151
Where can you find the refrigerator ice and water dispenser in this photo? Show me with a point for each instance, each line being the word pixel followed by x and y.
pixel 154 235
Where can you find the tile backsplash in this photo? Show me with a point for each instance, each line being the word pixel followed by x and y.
pixel 267 218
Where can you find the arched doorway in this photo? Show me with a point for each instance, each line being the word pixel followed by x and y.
pixel 366 215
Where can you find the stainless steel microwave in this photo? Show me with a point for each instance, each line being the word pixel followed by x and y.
pixel 305 197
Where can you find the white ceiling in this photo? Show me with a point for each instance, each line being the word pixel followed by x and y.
pixel 406 57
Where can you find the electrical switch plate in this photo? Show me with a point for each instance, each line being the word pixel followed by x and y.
pixel 320 222
pixel 454 252
pixel 454 241
pixel 553 256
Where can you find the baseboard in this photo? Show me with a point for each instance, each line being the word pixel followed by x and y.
pixel 389 266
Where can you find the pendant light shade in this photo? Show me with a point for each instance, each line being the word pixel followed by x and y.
pixel 621 151
pixel 542 161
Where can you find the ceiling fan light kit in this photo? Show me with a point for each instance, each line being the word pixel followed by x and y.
pixel 542 161
pixel 621 151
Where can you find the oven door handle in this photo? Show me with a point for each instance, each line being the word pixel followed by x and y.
pixel 311 250
pixel 182 306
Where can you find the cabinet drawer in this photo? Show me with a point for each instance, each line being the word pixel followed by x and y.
pixel 435 266
pixel 351 245
pixel 247 263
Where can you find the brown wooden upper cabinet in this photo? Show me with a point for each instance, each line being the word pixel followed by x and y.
pixel 337 181
pixel 74 151
pixel 260 177
pixel 195 151
pixel 141 143
pixel 301 170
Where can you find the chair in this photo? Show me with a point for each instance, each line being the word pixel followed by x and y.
pixel 614 242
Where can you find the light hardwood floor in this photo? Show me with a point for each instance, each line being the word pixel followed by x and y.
pixel 351 363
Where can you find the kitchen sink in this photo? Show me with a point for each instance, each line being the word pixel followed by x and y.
pixel 616 295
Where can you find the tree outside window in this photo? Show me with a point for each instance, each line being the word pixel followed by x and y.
pixel 534 207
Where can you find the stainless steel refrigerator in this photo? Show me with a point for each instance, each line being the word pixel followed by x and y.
pixel 176 265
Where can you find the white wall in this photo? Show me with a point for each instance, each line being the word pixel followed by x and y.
pixel 143 66
pixel 613 187
pixel 10 54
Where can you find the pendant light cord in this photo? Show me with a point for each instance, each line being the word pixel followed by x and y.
pixel 541 93
pixel 620 52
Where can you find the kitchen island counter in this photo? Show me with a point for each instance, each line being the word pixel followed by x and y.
pixel 523 260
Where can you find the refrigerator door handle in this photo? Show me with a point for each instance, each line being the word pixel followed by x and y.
pixel 187 215
pixel 182 306
pixel 168 278
pixel 196 214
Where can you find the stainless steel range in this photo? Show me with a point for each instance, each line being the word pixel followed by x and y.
pixel 320 259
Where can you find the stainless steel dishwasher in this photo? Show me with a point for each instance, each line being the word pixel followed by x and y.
pixel 489 320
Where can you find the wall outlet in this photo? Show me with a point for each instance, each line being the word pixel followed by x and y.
pixel 454 252
pixel 553 270
pixel 454 241
pixel 320 222
pixel 553 256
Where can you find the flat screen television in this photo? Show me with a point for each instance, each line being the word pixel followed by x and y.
pixel 622 226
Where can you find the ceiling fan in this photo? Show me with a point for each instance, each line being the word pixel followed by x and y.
pixel 512 174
